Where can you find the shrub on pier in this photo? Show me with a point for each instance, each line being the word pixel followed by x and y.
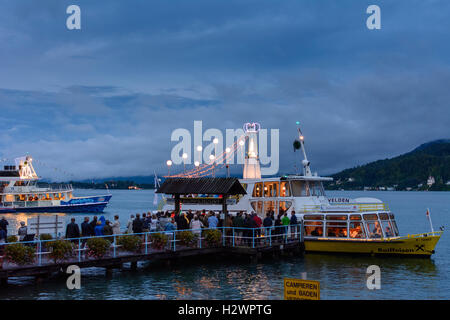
pixel 159 240
pixel 97 247
pixel 12 239
pixel 130 243
pixel 60 250
pixel 213 237
pixel 19 254
pixel 187 238
pixel 45 236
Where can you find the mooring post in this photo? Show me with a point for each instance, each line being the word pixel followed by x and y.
pixel 134 265
pixel 253 238
pixel 108 272
pixel 79 250
pixel 114 246
pixel 146 251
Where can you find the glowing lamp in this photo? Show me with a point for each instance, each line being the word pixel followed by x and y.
pixel 169 162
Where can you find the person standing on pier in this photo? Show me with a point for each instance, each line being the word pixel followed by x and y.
pixel 93 224
pixel 23 230
pixel 267 224
pixel 4 225
pixel 116 225
pixel 130 224
pixel 86 228
pixel 137 224
pixel 293 224
pixel 213 221
pixel 238 222
pixel 72 230
pixel 98 231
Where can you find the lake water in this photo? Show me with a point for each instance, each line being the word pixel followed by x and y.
pixel 340 276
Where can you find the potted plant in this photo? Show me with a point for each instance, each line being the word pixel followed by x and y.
pixel 187 238
pixel 159 240
pixel 213 237
pixel 12 239
pixel 130 243
pixel 97 247
pixel 60 250
pixel 19 254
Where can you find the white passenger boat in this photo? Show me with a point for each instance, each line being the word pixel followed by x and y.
pixel 21 192
pixel 359 225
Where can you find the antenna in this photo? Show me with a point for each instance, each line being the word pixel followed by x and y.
pixel 305 162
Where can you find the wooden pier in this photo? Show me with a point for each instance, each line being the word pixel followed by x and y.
pixel 253 247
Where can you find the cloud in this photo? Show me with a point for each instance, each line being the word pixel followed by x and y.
pixel 103 101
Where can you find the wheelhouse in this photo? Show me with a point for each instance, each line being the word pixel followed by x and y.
pixel 371 225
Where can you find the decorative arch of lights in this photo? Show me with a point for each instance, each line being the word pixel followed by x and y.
pixel 219 162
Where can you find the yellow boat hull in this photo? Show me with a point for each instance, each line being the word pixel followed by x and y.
pixel 415 245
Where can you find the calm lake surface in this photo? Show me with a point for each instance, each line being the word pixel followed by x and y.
pixel 340 276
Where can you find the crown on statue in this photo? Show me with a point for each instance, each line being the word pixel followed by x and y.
pixel 252 127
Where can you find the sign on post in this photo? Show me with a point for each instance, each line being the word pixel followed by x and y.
pixel 298 289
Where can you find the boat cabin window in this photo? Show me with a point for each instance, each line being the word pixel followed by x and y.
pixel 384 216
pixel 313 228
pixel 257 206
pixel 374 229
pixel 269 206
pixel 355 217
pixel 336 217
pixel 336 229
pixel 284 206
pixel 316 188
pixel 313 217
pixel 370 217
pixel 284 189
pixel 258 190
pixel 299 188
pixel 357 230
pixel 387 228
pixel 271 189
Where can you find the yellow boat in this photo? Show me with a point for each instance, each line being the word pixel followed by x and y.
pixel 366 233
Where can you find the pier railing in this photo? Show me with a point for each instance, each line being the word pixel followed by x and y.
pixel 150 242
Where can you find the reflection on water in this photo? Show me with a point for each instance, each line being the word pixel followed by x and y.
pixel 340 276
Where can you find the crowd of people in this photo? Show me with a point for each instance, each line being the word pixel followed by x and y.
pixel 246 225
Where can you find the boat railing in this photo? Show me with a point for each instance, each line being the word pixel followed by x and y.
pixel 356 207
pixel 419 235
pixel 38 189
pixel 163 241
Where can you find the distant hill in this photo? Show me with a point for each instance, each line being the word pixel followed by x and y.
pixel 409 171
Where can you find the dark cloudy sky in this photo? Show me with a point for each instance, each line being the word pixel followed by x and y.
pixel 104 100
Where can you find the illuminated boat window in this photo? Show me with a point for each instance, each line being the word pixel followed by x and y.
pixel 271 189
pixel 384 216
pixel 355 217
pixel 370 217
pixel 357 230
pixel 336 229
pixel 313 228
pixel 285 189
pixel 313 217
pixel 374 229
pixel 336 217
pixel 258 190
pixel 284 206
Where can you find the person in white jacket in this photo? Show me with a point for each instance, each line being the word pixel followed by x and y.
pixel 130 224
pixel 116 225
pixel 196 225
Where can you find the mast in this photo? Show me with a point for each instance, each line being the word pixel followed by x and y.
pixel 305 162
